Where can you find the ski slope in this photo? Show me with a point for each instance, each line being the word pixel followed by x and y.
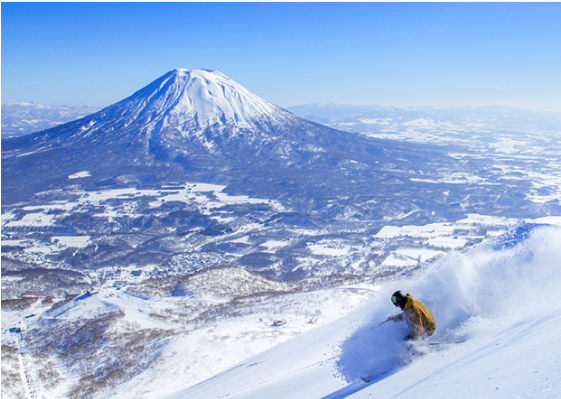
pixel 498 314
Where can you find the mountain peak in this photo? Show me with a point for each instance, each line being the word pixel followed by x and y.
pixel 185 116
pixel 198 99
pixel 203 74
pixel 200 72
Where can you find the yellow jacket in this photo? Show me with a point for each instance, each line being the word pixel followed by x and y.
pixel 418 318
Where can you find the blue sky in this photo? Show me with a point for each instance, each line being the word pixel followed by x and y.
pixel 402 54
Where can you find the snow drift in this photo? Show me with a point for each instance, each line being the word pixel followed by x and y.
pixel 501 300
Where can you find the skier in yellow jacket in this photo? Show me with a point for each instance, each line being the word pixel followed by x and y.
pixel 415 313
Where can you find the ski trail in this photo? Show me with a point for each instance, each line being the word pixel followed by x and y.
pixel 364 382
pixel 347 391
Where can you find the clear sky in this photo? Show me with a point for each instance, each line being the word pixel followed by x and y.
pixel 401 54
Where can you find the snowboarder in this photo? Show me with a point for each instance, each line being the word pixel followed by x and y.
pixel 415 313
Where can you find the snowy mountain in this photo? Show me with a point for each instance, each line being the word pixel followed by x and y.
pixel 195 100
pixel 195 166
pixel 186 105
pixel 184 110
pixel 188 121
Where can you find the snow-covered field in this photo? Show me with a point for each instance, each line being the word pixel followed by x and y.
pixel 113 210
pixel 498 311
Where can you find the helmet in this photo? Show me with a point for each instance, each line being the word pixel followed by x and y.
pixel 398 299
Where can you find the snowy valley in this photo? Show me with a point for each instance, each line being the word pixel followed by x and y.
pixel 196 241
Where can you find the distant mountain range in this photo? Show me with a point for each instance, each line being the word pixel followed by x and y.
pixel 20 119
pixel 332 111
pixel 430 124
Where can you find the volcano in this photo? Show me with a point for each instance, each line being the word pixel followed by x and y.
pixel 188 124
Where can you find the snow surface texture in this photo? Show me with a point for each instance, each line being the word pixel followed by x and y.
pixel 501 300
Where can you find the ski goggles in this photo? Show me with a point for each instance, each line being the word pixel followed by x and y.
pixel 398 298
